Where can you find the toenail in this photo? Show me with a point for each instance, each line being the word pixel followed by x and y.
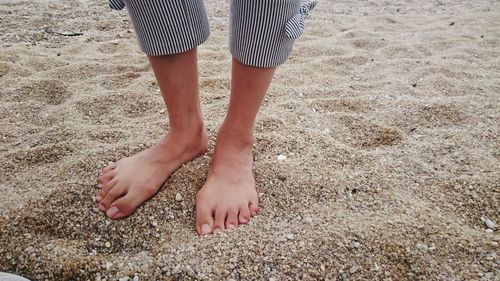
pixel 112 212
pixel 99 186
pixel 217 230
pixel 230 226
pixel 205 229
pixel 98 198
pixel 102 208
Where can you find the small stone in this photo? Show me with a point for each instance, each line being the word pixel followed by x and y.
pixel 281 157
pixel 489 223
pixel 178 197
pixel 493 244
pixel 308 220
pixel 353 269
pixel 282 177
pixel 107 244
pixel 422 247
pixel 489 231
pixel 356 244
pixel 290 236
pixel 124 279
pixel 154 223
pixel 136 278
pixel 95 210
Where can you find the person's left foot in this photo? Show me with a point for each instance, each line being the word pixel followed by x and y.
pixel 228 197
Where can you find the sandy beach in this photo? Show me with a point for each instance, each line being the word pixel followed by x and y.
pixel 388 114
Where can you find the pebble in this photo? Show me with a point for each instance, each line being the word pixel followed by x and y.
pixel 282 177
pixel 281 157
pixel 422 247
pixel 308 220
pixel 353 269
pixel 489 223
pixel 107 244
pixel 178 197
pixel 356 244
pixel 290 236
pixel 493 244
pixel 136 278
pixel 124 279
pixel 489 231
pixel 154 223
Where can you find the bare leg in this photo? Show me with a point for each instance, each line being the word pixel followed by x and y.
pixel 131 181
pixel 229 196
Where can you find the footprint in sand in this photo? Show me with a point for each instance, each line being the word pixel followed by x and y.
pixel 51 92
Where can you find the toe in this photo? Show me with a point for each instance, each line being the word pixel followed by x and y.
pixel 244 215
pixel 232 218
pixel 254 208
pixel 116 192
pixel 220 219
pixel 204 219
pixel 104 178
pixel 123 207
pixel 108 168
pixel 105 189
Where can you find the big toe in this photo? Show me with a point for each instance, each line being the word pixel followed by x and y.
pixel 122 207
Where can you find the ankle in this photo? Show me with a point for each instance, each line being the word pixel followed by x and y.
pixel 190 129
pixel 186 139
pixel 236 138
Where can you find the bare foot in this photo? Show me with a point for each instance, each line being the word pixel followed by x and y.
pixel 229 197
pixel 133 180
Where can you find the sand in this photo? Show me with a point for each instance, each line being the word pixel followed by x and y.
pixel 387 113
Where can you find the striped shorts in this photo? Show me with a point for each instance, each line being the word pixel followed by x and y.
pixel 262 32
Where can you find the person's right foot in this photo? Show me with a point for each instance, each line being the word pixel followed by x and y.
pixel 128 183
